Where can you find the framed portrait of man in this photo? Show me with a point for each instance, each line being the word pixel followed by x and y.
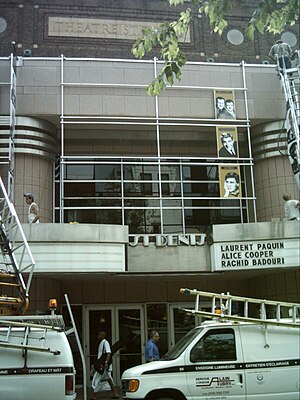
pixel 224 104
pixel 227 141
pixel 230 181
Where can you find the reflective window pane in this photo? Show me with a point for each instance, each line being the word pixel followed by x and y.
pixel 94 216
pixel 79 171
pixel 107 172
pixel 157 321
pixel 172 221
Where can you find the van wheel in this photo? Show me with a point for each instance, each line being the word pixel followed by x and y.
pixel 164 398
pixel 167 395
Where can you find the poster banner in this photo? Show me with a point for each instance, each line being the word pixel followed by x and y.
pixel 224 104
pixel 227 141
pixel 230 181
pixel 293 145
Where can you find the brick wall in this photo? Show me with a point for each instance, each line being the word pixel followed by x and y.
pixel 27 25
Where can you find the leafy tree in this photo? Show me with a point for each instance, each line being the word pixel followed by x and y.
pixel 268 16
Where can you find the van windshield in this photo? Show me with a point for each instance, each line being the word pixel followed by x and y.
pixel 182 344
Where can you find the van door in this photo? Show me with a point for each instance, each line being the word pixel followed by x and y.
pixel 214 365
pixel 271 362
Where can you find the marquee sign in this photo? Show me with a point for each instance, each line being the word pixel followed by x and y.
pixel 255 255
pixel 167 240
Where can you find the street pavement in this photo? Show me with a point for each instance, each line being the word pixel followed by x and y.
pixel 100 396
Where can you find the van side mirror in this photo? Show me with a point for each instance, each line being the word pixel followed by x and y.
pixel 196 354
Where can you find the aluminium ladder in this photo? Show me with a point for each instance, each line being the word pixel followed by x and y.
pixel 290 79
pixel 222 306
pixel 24 326
pixel 15 262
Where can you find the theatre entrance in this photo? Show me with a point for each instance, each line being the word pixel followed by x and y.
pixel 128 326
pixel 125 328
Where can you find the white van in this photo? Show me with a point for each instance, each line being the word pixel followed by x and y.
pixel 221 360
pixel 36 361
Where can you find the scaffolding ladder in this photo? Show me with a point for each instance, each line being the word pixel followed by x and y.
pixel 222 306
pixel 290 79
pixel 16 260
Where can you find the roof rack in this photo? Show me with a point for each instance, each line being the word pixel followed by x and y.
pixel 26 325
pixel 285 313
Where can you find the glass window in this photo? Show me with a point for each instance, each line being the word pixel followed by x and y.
pixel 79 172
pixel 107 216
pixel 196 172
pixel 142 221
pixel 201 190
pixel 289 38
pixel 146 187
pixel 215 345
pixel 157 321
pixel 235 37
pixel 141 203
pixel 173 171
pixel 182 344
pixel 128 172
pixel 84 190
pixel 165 187
pixel 107 172
pixel 130 338
pixel 183 323
pixel 93 202
pixel 3 25
pixel 197 220
pixel 108 189
pixel 99 185
pixel 171 202
pixel 172 221
pixel 79 189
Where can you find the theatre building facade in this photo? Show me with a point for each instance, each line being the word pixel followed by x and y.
pixel 139 195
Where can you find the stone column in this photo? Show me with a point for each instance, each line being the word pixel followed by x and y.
pixel 273 174
pixel 35 153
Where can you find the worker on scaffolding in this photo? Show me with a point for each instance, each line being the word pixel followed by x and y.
pixel 281 53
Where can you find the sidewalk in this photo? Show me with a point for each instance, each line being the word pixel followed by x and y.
pixel 101 395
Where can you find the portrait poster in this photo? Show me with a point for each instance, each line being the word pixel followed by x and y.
pixel 224 103
pixel 227 141
pixel 230 181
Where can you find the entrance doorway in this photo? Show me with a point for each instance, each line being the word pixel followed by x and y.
pixel 180 322
pixel 124 326
pixel 128 327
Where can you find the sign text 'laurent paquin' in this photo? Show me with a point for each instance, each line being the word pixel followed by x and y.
pixel 253 255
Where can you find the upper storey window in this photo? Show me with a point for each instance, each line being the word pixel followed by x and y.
pixel 235 37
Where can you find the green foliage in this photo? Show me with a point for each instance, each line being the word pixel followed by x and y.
pixel 166 36
pixel 269 15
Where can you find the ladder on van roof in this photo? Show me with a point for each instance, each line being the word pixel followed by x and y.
pixel 16 260
pixel 225 307
pixel 25 325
